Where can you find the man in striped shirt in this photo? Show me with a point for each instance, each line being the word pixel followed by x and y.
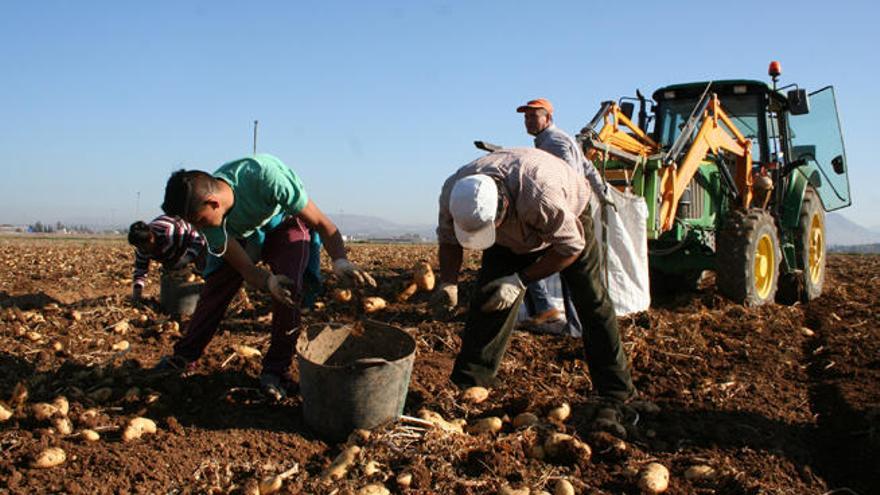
pixel 529 213
pixel 168 240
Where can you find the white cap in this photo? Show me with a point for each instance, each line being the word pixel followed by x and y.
pixel 473 204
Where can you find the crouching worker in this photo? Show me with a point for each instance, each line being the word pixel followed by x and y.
pixel 528 211
pixel 168 240
pixel 240 198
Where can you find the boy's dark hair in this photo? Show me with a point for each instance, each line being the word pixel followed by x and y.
pixel 138 234
pixel 185 191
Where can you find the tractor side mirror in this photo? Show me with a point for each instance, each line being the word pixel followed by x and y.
pixel 838 165
pixel 627 108
pixel 798 102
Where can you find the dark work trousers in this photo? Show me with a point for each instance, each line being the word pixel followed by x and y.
pixel 286 250
pixel 486 335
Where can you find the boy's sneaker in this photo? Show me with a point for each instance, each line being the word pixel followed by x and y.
pixel 171 364
pixel 278 386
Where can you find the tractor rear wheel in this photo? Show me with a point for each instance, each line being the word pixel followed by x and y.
pixel 748 256
pixel 806 283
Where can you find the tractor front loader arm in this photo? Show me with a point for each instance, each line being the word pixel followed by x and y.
pixel 711 137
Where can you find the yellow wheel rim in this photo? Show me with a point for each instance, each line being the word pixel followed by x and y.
pixel 765 264
pixel 817 249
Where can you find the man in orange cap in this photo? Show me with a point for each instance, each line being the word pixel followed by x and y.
pixel 538 116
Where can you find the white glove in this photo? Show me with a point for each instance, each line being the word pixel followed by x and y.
pixel 277 285
pixel 351 273
pixel 507 290
pixel 445 298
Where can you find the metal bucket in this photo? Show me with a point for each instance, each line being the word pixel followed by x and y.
pixel 177 296
pixel 350 381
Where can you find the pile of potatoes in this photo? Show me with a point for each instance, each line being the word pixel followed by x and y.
pixel 57 418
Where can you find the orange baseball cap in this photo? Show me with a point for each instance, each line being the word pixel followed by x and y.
pixel 539 103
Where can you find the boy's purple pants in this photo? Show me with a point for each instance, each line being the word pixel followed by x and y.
pixel 286 250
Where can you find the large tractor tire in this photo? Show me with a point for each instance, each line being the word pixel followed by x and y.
pixel 748 255
pixel 806 283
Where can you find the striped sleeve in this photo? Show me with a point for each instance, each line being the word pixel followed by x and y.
pixel 141 268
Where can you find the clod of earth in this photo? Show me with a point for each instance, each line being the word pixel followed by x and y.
pixel 102 394
pixel 611 426
pixel 525 419
pixel 566 448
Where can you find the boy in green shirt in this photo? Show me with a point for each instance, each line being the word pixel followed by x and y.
pixel 242 199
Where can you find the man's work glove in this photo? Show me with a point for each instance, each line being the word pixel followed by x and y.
pixel 278 287
pixel 351 273
pixel 445 299
pixel 137 292
pixel 507 290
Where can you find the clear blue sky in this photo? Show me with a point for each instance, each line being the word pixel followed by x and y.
pixel 372 103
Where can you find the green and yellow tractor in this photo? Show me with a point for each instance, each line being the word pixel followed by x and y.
pixel 737 176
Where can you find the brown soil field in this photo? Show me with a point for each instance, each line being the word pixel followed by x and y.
pixel 774 399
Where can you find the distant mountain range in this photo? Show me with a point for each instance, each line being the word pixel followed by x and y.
pixel 365 226
pixel 840 231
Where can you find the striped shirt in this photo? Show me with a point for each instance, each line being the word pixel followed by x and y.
pixel 546 198
pixel 557 142
pixel 177 241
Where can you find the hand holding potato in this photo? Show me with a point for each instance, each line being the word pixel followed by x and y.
pixel 445 299
pixel 351 273
pixel 278 287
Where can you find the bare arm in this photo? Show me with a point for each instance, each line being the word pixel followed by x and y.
pixel 330 235
pixel 450 256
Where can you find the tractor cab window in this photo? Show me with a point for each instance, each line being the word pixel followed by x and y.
pixel 745 111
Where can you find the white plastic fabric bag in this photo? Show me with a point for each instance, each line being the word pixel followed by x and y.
pixel 624 250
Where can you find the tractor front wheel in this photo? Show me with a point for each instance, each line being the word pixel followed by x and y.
pixel 747 256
